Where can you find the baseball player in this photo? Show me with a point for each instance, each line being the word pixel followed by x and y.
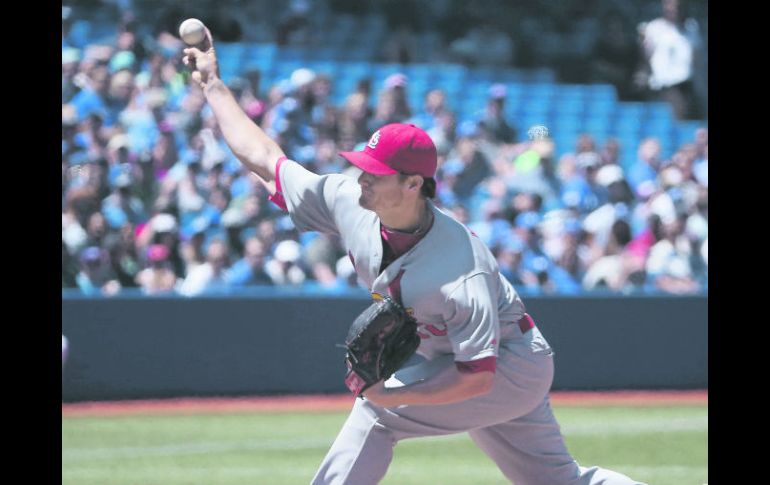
pixel 500 369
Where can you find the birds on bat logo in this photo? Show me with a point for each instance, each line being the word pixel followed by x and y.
pixel 374 140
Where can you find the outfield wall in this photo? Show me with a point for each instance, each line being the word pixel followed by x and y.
pixel 132 348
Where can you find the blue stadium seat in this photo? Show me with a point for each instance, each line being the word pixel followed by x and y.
pixel 660 128
pixel 327 53
pixel 659 111
pixel 420 73
pixel 628 154
pixel 601 108
pixel 342 87
pixel 487 74
pixel 535 106
pixel 415 98
pixel 478 89
pixel 358 53
pixel 80 32
pixel 569 107
pixel 597 126
pixel 450 73
pixel 540 75
pixel 601 92
pixel 540 90
pixel 685 131
pixel 508 76
pixel 453 90
pixel 566 124
pixel 626 110
pixel 289 54
pixel 516 90
pixel 571 92
pixel 338 38
pixel 355 70
pixel 102 32
pixel 258 56
pixel 230 59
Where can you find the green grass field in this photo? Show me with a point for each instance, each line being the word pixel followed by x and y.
pixel 656 445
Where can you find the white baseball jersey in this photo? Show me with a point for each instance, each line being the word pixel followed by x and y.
pixel 449 280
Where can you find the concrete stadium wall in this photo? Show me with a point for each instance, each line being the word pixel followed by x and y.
pixel 134 348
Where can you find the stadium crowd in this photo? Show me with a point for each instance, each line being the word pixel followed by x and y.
pixel 153 199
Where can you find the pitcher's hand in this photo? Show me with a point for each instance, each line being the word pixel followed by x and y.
pixel 202 61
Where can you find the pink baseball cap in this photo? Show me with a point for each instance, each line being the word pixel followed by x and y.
pixel 394 148
pixel 157 252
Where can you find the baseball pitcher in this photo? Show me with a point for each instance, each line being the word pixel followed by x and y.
pixel 481 366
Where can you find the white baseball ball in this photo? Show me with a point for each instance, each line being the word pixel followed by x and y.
pixel 192 31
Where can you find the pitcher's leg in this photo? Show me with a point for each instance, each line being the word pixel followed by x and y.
pixel 531 451
pixel 360 454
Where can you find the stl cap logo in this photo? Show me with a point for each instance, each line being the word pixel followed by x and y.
pixel 537 132
pixel 374 140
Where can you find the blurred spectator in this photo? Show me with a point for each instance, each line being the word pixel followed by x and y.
pixel 670 43
pixel 323 112
pixel 267 233
pixel 353 122
pixel 284 268
pixel 392 104
pixel 607 271
pixel 121 90
pixel 468 166
pixel 700 169
pixel 208 277
pixel 290 119
pixel 610 152
pixel 577 172
pixel 163 228
pixel 70 60
pixel 191 194
pixel 435 106
pixel 121 204
pixel 645 170
pixel 66 27
pixel 69 268
pixel 157 277
pixel 72 142
pixel 93 94
pixel 444 133
pixel 346 274
pixel 124 258
pixel 492 122
pixel 669 265
pixel 533 171
pixel 327 160
pixel 96 276
pixel 96 229
pixel 509 261
pixel 250 270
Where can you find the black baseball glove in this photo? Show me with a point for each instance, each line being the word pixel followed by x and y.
pixel 379 342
